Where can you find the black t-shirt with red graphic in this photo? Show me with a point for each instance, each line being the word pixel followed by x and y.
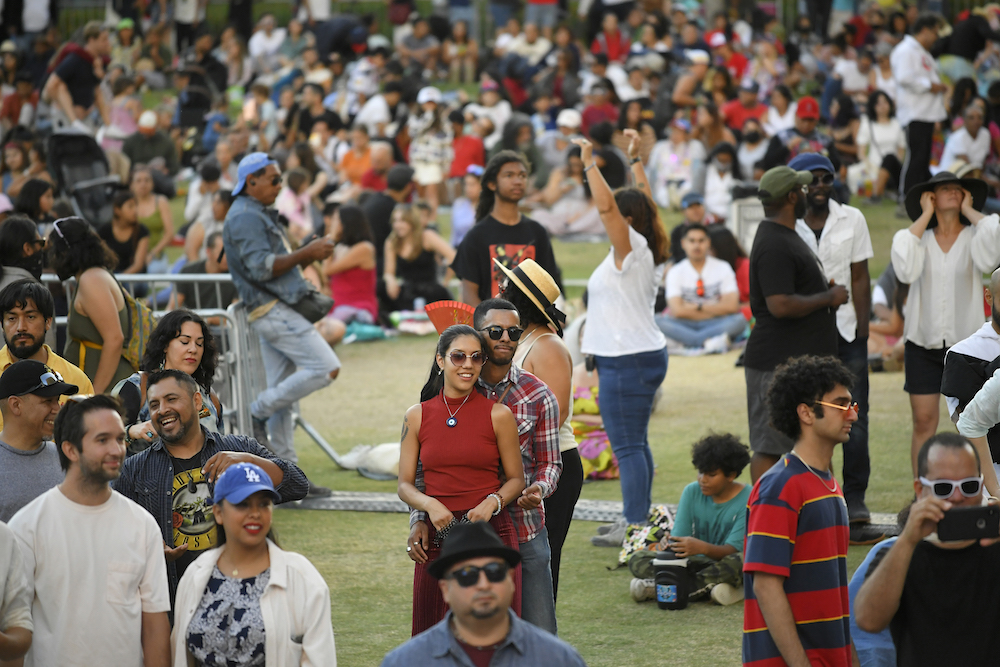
pixel 490 239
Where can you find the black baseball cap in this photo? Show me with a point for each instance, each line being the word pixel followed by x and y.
pixel 33 377
pixel 399 176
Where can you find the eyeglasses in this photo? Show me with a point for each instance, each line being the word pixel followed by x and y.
pixel 943 488
pixel 469 575
pixel 46 379
pixel 39 242
pixel 825 179
pixel 496 332
pixel 458 358
pixel 853 405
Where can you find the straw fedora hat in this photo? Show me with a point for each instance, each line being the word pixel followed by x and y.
pixel 536 284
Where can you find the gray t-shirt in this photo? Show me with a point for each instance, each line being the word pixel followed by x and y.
pixel 26 475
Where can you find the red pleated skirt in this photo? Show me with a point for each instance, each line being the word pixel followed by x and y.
pixel 429 607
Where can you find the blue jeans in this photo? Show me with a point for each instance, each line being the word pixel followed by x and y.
pixel 543 16
pixel 298 362
pixel 627 385
pixel 501 14
pixel 468 14
pixel 538 606
pixel 694 333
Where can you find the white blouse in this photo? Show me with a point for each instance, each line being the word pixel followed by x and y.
pixel 774 122
pixel 620 309
pixel 945 304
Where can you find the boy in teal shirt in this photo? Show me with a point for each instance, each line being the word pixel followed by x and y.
pixel 710 524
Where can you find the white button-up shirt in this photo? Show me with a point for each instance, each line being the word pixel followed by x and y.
pixel 915 70
pixel 844 241
pixel 945 303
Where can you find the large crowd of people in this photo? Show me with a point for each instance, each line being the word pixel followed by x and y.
pixel 338 172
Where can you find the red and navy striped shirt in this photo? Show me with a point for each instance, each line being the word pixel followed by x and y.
pixel 797 528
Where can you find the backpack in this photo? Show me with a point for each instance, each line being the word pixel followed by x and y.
pixel 140 324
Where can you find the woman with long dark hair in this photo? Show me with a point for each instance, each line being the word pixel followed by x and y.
pixel 458 441
pixel 98 316
pixel 629 350
pixel 227 610
pixel 635 116
pixel 844 124
pixel 36 201
pixel 881 145
pixel 21 255
pixel 181 341
pixel 542 352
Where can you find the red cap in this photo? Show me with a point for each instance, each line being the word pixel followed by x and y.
pixel 808 108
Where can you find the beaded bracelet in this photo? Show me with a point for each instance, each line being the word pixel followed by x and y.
pixel 499 503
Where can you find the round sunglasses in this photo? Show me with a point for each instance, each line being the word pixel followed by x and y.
pixel 458 358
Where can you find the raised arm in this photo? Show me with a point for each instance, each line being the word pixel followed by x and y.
pixel 638 171
pixel 614 224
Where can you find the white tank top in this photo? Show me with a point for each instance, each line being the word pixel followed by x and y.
pixel 567 440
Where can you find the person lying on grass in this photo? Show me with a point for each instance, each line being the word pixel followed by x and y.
pixel 710 524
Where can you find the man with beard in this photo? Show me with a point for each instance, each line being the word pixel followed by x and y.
pixel 171 479
pixel 27 309
pixel 838 234
pixel 793 303
pixel 501 233
pixel 30 394
pixel 537 413
pixel 92 557
pixel 969 364
pixel 480 627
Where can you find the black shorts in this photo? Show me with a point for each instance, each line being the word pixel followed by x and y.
pixel 923 369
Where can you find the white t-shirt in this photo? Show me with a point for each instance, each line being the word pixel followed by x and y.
pixel 188 11
pixel 882 139
pixel 374 112
pixel 320 10
pixel 620 312
pixel 262 45
pixel 93 572
pixel 717 279
pixel 36 16
pixel 15 597
pixel 851 79
pixel 960 142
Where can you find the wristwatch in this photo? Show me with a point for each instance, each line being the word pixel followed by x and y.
pixel 633 161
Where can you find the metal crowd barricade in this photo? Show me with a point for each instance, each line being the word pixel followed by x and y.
pixel 240 375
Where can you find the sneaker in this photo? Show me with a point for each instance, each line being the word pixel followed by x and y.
pixel 608 527
pixel 612 538
pixel 318 491
pixel 260 432
pixel 642 589
pixel 717 344
pixel 726 594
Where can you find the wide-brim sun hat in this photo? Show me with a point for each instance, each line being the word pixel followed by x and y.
pixel 976 188
pixel 539 287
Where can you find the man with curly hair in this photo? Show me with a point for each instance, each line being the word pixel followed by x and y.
pixel 710 524
pixel 795 558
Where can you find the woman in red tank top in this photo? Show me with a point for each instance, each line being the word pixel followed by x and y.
pixel 458 442
pixel 351 274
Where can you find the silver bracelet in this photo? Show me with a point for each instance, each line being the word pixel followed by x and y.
pixel 592 165
pixel 499 502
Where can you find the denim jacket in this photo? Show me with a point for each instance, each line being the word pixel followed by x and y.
pixel 524 645
pixel 253 239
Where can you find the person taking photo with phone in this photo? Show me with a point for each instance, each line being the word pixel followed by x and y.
pixel 938 598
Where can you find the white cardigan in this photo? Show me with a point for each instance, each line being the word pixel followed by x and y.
pixel 295 607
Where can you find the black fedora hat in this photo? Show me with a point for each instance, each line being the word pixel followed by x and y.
pixel 975 187
pixel 471 540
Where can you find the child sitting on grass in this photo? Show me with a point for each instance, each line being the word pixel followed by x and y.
pixel 710 524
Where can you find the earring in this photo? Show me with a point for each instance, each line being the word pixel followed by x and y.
pixel 162 361
pixel 440 370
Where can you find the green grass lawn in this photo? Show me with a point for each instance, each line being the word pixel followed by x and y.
pixel 362 555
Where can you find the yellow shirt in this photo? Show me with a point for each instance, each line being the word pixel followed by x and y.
pixel 68 371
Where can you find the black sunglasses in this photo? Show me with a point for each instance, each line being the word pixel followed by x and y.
pixel 469 575
pixel 496 332
pixel 46 379
pixel 825 179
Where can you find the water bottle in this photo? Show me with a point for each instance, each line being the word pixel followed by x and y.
pixel 419 303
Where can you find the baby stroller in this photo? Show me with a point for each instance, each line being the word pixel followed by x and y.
pixel 82 175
